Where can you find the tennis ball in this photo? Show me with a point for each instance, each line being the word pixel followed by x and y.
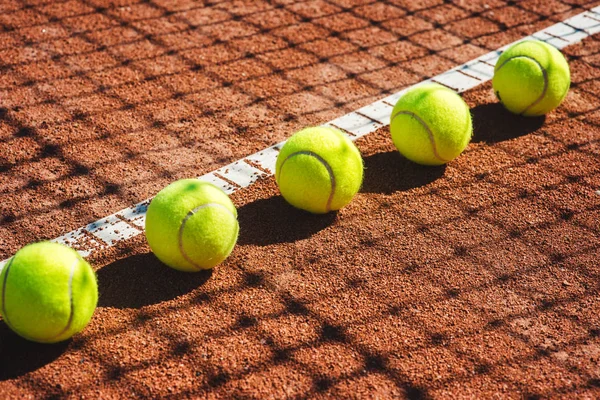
pixel 191 225
pixel 319 170
pixel 431 125
pixel 531 78
pixel 48 292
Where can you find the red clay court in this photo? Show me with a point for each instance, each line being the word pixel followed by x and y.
pixel 478 279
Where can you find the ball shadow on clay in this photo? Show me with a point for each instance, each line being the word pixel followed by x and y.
pixel 142 279
pixel 391 172
pixel 492 123
pixel 19 356
pixel 273 220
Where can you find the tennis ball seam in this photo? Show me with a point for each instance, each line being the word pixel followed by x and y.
pixel 324 163
pixel 4 313
pixel 71 305
pixel 544 74
pixel 429 133
pixel 182 227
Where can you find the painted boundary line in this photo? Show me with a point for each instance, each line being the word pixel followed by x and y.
pixel 129 222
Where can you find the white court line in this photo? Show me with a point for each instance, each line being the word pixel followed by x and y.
pixel 129 222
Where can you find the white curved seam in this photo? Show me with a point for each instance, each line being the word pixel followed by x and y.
pixel 71 305
pixel 182 227
pixel 327 167
pixel 544 74
pixel 4 314
pixel 429 133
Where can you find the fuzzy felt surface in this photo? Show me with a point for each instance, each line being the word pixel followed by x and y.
pixel 191 225
pixel 319 170
pixel 531 78
pixel 48 292
pixel 431 125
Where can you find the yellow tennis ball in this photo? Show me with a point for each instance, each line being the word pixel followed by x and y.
pixel 191 225
pixel 431 125
pixel 319 170
pixel 531 78
pixel 48 292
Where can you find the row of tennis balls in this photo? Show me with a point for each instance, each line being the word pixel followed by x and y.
pixel 319 169
pixel 49 292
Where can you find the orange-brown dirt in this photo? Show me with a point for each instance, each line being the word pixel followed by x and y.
pixel 475 280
